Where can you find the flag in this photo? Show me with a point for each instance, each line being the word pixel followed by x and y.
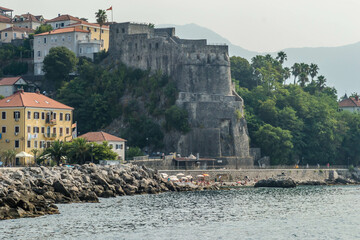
pixel 74 125
pixel 110 8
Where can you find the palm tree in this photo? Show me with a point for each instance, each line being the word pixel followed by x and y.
pixel 101 18
pixel 295 70
pixel 286 73
pixel 9 156
pixel 304 68
pixel 80 149
pixel 281 57
pixel 313 70
pixel 320 82
pixel 35 152
pixel 303 78
pixel 56 151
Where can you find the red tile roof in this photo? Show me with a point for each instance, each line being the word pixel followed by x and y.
pixel 27 99
pixel 6 9
pixel 100 137
pixel 27 17
pixel 4 19
pixel 18 29
pixel 63 18
pixel 81 22
pixel 350 102
pixel 63 30
pixel 9 81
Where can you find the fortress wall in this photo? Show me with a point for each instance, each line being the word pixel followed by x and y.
pixel 168 32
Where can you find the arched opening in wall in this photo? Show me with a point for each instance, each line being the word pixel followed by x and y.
pixel 149 45
pixel 117 30
pixel 135 46
pixel 208 59
pixel 123 30
pixel 198 56
pixel 156 45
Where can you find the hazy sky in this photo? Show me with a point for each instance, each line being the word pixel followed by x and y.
pixel 259 25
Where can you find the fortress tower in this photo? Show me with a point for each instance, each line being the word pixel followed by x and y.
pixel 202 75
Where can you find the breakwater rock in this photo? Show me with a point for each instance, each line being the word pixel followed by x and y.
pixel 278 183
pixel 32 192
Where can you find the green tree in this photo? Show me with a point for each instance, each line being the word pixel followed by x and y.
pixel 56 151
pixel 276 143
pixel 101 152
pixel 177 118
pixel 242 72
pixel 313 70
pixel 35 151
pixel 303 79
pixel 79 150
pixel 43 28
pixel 101 18
pixel 295 70
pixel 133 152
pixel 9 157
pixel 320 82
pixel 58 64
pixel 281 57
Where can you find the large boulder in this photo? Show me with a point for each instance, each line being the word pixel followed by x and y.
pixel 277 183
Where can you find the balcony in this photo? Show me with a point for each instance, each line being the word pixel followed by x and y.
pixel 51 122
pixel 50 136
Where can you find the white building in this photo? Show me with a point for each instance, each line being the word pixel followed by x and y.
pixel 62 21
pixel 10 85
pixel 13 33
pixel 351 104
pixel 117 144
pixel 75 39
pixel 28 21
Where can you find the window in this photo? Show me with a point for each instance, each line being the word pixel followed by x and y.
pixel 42 129
pixel 62 24
pixel 3 115
pixel 43 116
pixel 5 34
pixel 67 117
pixel 28 115
pixel 60 131
pixel 36 115
pixel 17 144
pixel 36 129
pixel 3 129
pixel 29 129
pixel 29 144
pixel 54 116
pixel 123 30
pixel 16 115
pixel 39 54
pixel 48 144
pixel 67 131
pixel 88 28
pixel 14 35
pixel 35 144
pixel 61 115
pixel 69 38
pixel 17 129
pixel 80 50
pixel 42 144
pixel 102 31
pixel 95 30
pixel 63 38
pixel 44 39
pixel 54 130
pixel 121 146
pixel 56 25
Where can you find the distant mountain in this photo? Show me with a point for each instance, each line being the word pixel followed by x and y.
pixel 340 65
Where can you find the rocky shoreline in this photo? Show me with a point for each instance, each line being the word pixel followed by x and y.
pixel 33 192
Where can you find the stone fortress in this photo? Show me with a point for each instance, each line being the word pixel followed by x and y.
pixel 203 78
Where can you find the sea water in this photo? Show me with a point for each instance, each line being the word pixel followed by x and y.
pixel 312 212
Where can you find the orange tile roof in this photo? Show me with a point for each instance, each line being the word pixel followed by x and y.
pixel 350 102
pixel 81 22
pixel 9 81
pixel 63 30
pixel 4 19
pixel 63 18
pixel 27 99
pixel 18 29
pixel 100 137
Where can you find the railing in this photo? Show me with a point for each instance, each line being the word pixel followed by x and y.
pixel 50 135
pixel 51 121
